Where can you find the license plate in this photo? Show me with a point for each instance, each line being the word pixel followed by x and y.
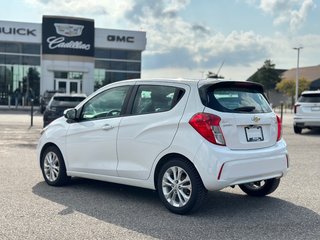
pixel 254 133
pixel 315 108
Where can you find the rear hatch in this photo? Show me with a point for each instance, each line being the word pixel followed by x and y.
pixel 308 105
pixel 247 121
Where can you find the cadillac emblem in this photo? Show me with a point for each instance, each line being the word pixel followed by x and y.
pixel 68 30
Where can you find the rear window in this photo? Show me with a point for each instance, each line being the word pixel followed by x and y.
pixel 310 98
pixel 241 98
pixel 66 101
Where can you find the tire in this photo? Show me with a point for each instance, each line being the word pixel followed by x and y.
pixel 260 188
pixel 53 167
pixel 180 187
pixel 297 130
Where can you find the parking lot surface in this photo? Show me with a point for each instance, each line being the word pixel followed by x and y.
pixel 86 209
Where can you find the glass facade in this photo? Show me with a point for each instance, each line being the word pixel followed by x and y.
pixel 19 73
pixel 113 65
pixel 20 70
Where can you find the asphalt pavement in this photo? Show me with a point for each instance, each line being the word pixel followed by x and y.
pixel 85 209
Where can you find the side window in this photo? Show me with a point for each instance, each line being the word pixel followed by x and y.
pixel 155 98
pixel 106 104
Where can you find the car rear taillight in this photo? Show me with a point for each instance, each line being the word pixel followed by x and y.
pixel 279 124
pixel 207 125
pixel 296 108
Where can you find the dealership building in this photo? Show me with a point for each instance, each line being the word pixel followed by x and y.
pixel 66 54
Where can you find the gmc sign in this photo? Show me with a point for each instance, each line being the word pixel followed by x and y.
pixel 116 38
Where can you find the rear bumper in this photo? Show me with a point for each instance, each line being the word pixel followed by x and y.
pixel 232 167
pixel 306 121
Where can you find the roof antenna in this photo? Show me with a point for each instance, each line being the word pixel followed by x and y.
pixel 215 75
pixel 220 67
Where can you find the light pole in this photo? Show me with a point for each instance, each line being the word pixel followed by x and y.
pixel 297 73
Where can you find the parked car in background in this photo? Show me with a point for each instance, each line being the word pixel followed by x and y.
pixel 307 111
pixel 180 137
pixel 58 103
pixel 45 98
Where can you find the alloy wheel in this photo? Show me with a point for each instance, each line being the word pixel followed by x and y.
pixel 51 166
pixel 176 186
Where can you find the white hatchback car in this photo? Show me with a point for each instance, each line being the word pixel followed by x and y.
pixel 307 111
pixel 180 137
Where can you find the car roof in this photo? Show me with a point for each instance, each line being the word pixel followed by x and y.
pixel 70 95
pixel 311 92
pixel 199 82
pixel 195 82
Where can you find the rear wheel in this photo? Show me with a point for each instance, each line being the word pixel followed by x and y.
pixel 53 167
pixel 180 187
pixel 297 130
pixel 260 188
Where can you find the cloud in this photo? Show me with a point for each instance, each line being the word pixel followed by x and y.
pixel 173 41
pixel 111 11
pixel 291 12
pixel 177 43
pixel 298 17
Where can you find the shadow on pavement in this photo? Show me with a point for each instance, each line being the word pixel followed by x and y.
pixel 311 132
pixel 223 216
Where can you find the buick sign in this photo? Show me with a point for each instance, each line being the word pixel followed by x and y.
pixel 18 31
pixel 68 36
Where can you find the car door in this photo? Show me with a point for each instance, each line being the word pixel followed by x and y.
pixel 150 129
pixel 91 142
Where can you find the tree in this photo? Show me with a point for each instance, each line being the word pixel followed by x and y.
pixel 288 87
pixel 267 75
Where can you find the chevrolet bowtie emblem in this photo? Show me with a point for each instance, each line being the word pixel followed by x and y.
pixel 255 119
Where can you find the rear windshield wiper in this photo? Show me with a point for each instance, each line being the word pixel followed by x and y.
pixel 245 109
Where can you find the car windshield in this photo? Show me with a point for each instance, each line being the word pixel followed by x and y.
pixel 244 98
pixel 310 98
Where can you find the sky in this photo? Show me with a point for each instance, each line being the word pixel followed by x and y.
pixel 188 38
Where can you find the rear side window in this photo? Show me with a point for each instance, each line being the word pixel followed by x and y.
pixel 310 98
pixel 235 99
pixel 156 98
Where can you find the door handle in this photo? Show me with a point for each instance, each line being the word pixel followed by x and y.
pixel 107 127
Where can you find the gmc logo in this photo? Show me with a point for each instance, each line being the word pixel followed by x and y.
pixel 116 38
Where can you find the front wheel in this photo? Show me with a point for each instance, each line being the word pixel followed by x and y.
pixel 180 187
pixel 53 167
pixel 260 188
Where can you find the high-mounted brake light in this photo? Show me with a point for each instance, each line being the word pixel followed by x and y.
pixel 207 125
pixel 279 125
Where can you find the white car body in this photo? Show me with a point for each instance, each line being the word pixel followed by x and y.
pixel 307 111
pixel 129 148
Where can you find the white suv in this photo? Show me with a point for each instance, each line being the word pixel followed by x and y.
pixel 307 111
pixel 180 137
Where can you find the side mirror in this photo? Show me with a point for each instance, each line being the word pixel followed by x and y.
pixel 70 114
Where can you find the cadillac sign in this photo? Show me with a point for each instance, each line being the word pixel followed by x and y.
pixel 67 36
